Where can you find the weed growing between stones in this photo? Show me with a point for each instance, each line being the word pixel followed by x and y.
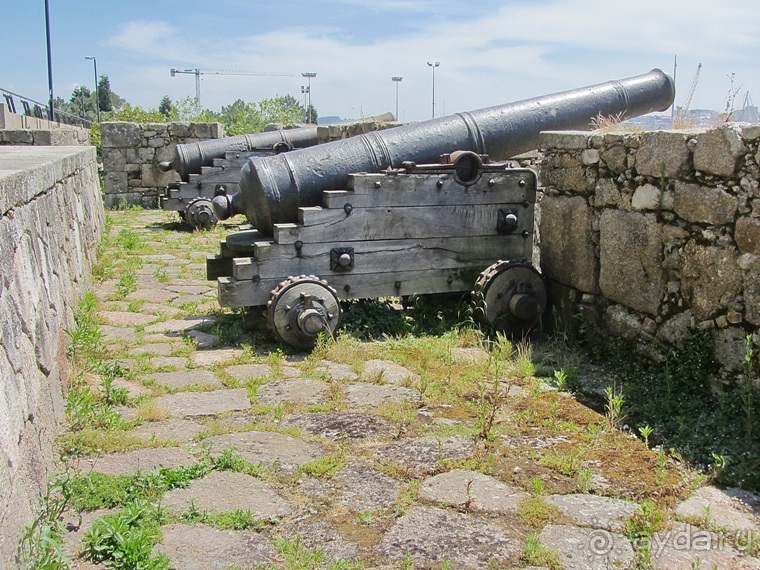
pixel 536 554
pixel 41 542
pixel 298 557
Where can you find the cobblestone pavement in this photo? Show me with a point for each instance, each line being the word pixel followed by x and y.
pixel 334 471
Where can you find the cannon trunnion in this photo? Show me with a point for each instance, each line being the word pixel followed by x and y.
pixel 459 226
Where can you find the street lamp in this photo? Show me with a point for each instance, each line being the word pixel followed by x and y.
pixel 433 66
pixel 396 80
pixel 308 76
pixel 51 110
pixel 97 94
pixel 305 90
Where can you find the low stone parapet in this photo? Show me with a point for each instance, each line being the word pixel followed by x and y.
pixel 51 219
pixel 653 235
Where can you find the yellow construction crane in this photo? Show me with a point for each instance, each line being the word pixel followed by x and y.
pixel 198 72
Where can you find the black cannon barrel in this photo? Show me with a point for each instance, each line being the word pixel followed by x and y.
pixel 190 157
pixel 272 188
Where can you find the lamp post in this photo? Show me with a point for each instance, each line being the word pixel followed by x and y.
pixel 97 94
pixel 51 110
pixel 308 76
pixel 433 66
pixel 304 91
pixel 396 80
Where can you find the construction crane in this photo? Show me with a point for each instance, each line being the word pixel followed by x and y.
pixel 693 88
pixel 198 72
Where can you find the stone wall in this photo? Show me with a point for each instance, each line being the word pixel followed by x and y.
pixel 18 129
pixel 132 151
pixel 51 218
pixel 652 235
pixel 131 154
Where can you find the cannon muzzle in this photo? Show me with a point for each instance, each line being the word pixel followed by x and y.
pixel 273 188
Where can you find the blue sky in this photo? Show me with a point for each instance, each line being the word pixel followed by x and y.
pixel 490 52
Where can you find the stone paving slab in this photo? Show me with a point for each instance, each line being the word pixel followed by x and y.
pixel 200 547
pixel 686 547
pixel 157 348
pixel 205 403
pixel 296 390
pixel 185 378
pixel 387 372
pixel 243 372
pixel 321 536
pixel 221 491
pixel 361 488
pixel 587 549
pixel 594 511
pixel 423 456
pixel 472 491
pixel 180 430
pixel 152 295
pixel 143 460
pixel 179 362
pixel 269 448
pixel 213 357
pixel 114 334
pixel 126 318
pixel 341 426
pixel 365 395
pixel 180 325
pixel 133 389
pixel 727 508
pixel 336 371
pixel 202 340
pixel 431 536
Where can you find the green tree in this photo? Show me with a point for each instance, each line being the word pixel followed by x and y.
pixel 105 99
pixel 166 108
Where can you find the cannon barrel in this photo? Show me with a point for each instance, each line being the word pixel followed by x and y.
pixel 190 157
pixel 272 188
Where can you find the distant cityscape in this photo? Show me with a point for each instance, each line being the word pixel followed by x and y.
pixel 697 118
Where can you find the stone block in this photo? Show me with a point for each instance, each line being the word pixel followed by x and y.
pixel 647 197
pixel 590 156
pixel 156 142
pixel 662 153
pixel 630 266
pixel 752 296
pixel 747 235
pixel 179 131
pixel 567 242
pixel 152 176
pixel 114 159
pixel 728 349
pixel 115 182
pixel 564 173
pixel 120 135
pixel 119 201
pixel 607 193
pixel 703 204
pixel 146 154
pixel 563 140
pixel 615 158
pixel 18 136
pixel 718 150
pixel 709 275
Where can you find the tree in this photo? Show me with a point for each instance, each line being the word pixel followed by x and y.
pixel 166 108
pixel 105 100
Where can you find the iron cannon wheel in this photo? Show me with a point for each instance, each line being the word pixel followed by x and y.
pixel 510 296
pixel 200 215
pixel 300 308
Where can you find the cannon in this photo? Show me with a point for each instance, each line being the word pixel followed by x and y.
pixel 366 217
pixel 212 168
pixel 273 188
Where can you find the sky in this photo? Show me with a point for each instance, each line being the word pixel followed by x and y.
pixel 490 52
